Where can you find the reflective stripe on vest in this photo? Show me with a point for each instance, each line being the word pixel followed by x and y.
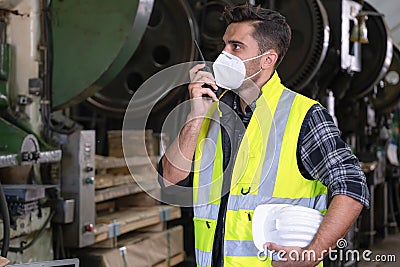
pixel 207 181
pixel 203 258
pixel 260 175
pixel 317 203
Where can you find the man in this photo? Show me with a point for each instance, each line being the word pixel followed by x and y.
pixel 252 147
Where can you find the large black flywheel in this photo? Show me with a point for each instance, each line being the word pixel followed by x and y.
pixel 388 94
pixel 168 40
pixel 310 40
pixel 376 55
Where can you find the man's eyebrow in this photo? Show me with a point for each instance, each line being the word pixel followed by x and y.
pixel 235 42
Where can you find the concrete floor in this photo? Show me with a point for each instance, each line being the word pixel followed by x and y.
pixel 383 248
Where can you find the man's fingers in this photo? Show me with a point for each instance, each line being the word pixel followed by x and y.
pixel 209 92
pixel 197 73
pixel 200 85
pixel 201 91
pixel 276 252
pixel 205 80
pixel 199 78
pixel 197 67
pixel 273 246
pixel 203 75
pixel 194 70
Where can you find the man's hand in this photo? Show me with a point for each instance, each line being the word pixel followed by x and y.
pixel 197 89
pixel 177 160
pixel 341 215
pixel 293 256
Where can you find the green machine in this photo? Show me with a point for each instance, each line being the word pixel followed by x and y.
pixel 55 54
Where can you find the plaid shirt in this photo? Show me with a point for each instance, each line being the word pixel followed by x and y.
pixel 323 155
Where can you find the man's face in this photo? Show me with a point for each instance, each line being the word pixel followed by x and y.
pixel 239 41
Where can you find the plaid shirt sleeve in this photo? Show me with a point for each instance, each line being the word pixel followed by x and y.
pixel 326 157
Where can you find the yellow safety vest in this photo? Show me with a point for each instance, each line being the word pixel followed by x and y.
pixel 265 171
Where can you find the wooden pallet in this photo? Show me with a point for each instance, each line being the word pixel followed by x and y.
pixel 106 180
pixel 160 249
pixel 109 227
pixel 141 166
pixel 140 142
pixel 142 199
pixel 124 190
pixel 174 260
pixel 104 163
pixel 114 180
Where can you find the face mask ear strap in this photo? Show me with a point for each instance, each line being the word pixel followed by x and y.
pixel 265 53
pixel 251 76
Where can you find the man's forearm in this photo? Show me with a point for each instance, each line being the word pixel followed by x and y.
pixel 177 161
pixel 341 215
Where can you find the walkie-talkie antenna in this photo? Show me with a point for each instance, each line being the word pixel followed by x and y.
pixel 206 68
pixel 198 49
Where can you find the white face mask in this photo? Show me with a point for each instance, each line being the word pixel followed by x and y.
pixel 230 71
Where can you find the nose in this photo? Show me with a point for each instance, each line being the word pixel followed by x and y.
pixel 227 49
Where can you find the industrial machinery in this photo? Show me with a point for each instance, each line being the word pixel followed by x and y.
pixel 69 69
pixel 47 45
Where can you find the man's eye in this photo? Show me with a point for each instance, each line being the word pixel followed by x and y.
pixel 236 46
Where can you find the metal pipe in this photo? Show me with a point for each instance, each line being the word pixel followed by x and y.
pixel 34 29
pixel 272 4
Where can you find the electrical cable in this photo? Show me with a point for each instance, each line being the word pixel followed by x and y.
pixel 45 103
pixel 35 238
pixel 61 240
pixel 56 242
pixel 6 223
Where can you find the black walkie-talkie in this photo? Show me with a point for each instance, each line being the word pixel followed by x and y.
pixel 207 69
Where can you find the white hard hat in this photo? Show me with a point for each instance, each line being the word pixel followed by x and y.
pixel 285 225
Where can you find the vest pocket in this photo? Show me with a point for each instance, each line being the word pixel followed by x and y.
pixel 204 230
pixel 238 225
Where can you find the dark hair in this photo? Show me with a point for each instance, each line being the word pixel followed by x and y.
pixel 271 30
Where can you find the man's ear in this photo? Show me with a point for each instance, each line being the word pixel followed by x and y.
pixel 268 60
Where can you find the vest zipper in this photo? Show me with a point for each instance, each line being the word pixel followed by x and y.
pixel 249 216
